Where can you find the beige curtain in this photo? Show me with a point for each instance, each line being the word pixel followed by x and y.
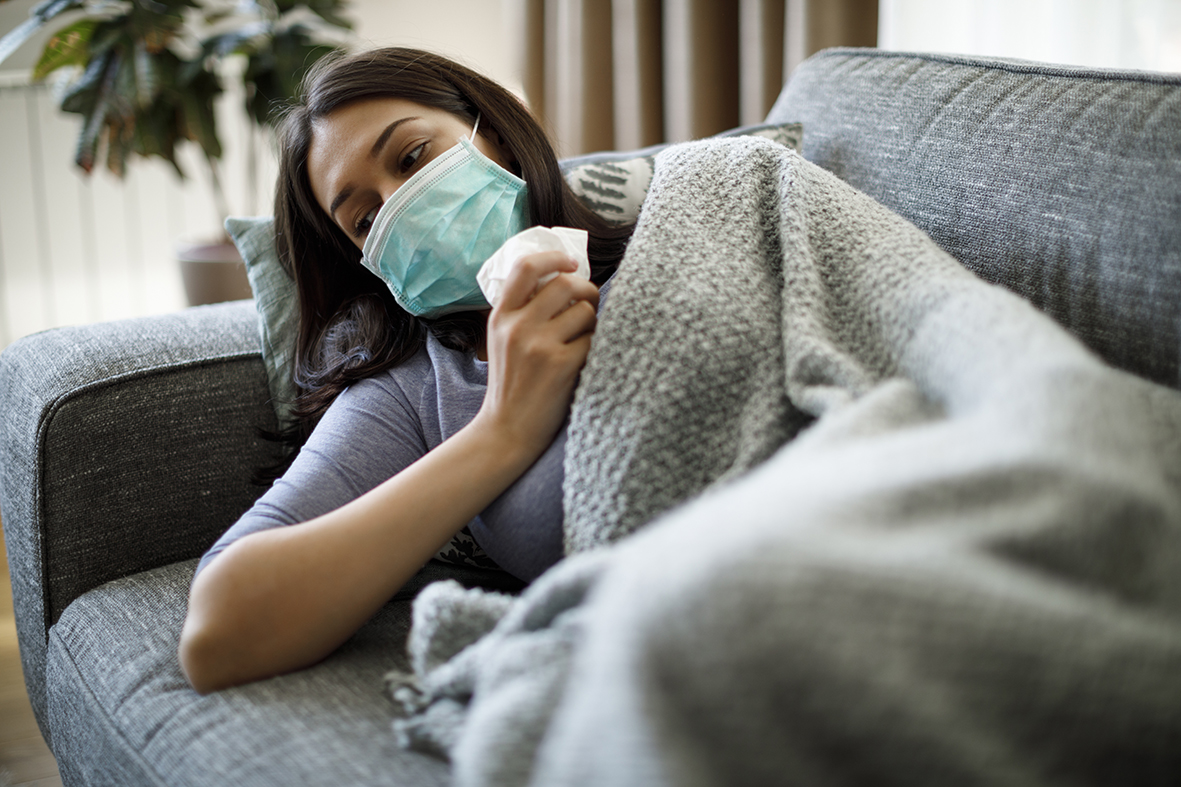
pixel 622 74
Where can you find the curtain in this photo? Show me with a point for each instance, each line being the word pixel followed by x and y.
pixel 622 74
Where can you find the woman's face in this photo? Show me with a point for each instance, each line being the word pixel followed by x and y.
pixel 363 152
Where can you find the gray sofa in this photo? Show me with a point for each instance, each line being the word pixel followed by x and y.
pixel 126 448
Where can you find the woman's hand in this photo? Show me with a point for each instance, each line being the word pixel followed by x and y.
pixel 537 343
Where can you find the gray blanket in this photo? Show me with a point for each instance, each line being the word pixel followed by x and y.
pixel 897 526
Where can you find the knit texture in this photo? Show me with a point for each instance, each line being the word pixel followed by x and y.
pixel 966 569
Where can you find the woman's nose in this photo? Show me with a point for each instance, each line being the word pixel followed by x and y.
pixel 387 188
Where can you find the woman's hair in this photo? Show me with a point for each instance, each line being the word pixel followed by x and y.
pixel 350 327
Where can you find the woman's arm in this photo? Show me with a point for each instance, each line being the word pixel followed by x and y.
pixel 283 599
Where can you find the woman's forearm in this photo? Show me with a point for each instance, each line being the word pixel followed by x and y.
pixel 283 599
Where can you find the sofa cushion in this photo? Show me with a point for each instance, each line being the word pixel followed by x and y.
pixel 277 305
pixel 1062 184
pixel 122 713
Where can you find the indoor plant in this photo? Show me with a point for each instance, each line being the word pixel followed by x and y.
pixel 145 74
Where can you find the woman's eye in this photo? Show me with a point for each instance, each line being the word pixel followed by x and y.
pixel 412 158
pixel 365 223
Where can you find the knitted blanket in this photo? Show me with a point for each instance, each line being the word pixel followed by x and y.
pixel 894 525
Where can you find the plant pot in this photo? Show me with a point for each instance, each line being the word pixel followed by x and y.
pixel 212 273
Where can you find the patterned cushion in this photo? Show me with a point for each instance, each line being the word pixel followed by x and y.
pixel 615 184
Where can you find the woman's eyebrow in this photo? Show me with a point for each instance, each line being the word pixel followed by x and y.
pixel 385 135
pixel 382 138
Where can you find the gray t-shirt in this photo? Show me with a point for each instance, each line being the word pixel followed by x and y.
pixel 381 425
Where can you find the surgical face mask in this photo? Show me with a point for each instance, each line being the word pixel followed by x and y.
pixel 428 241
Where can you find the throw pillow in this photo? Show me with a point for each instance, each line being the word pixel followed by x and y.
pixel 277 306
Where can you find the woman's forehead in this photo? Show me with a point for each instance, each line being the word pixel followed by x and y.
pixel 344 123
pixel 345 135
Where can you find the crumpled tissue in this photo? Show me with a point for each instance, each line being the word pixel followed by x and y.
pixel 495 270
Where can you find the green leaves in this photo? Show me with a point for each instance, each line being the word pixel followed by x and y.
pixel 197 121
pixel 147 70
pixel 87 99
pixel 67 47
pixel 274 73
pixel 38 16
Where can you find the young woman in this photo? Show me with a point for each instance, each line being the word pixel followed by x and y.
pixel 400 172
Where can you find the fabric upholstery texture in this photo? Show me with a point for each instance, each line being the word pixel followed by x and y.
pixel 133 719
pixel 126 445
pixel 1059 183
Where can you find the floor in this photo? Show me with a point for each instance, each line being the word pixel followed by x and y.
pixel 25 760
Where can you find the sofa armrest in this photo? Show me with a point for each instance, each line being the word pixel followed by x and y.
pixel 124 446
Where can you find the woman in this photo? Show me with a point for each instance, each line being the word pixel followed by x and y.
pixel 430 413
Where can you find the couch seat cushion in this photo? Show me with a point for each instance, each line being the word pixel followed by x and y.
pixel 121 711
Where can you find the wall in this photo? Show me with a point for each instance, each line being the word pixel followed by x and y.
pixel 1132 34
pixel 474 32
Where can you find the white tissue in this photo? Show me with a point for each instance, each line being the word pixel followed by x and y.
pixel 495 270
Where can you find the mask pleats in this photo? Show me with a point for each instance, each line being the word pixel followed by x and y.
pixel 430 251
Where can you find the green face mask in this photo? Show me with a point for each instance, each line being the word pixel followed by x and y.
pixel 429 240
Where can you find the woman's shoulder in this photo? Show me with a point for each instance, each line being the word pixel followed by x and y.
pixel 434 368
pixel 403 382
pixel 432 394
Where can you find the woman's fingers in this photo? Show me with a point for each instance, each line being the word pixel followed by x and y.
pixel 526 275
pixel 558 294
pixel 576 320
pixel 538 340
pixel 524 300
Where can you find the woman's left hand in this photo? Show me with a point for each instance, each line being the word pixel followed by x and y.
pixel 538 339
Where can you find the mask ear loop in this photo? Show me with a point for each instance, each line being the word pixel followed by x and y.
pixel 516 167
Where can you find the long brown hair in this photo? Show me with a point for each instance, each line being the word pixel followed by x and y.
pixel 350 327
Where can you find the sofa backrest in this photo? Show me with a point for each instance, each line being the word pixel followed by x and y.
pixel 1062 184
